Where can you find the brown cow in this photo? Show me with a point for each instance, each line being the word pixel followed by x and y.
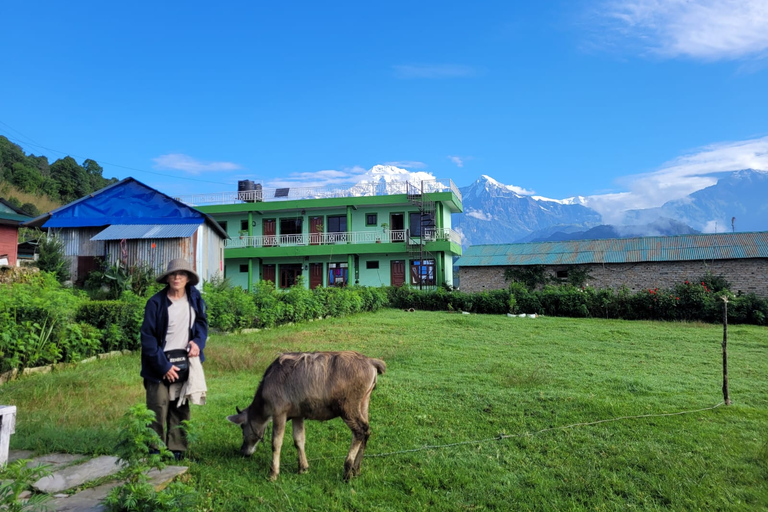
pixel 315 386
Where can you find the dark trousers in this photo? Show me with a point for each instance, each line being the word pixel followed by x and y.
pixel 168 417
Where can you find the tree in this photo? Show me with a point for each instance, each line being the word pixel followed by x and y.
pixel 52 258
pixel 94 171
pixel 30 209
pixel 73 181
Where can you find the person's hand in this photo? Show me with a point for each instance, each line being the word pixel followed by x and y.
pixel 193 349
pixel 172 375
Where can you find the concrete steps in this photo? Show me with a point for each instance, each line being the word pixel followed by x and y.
pixel 71 471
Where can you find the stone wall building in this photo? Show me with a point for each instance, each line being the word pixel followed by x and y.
pixel 638 263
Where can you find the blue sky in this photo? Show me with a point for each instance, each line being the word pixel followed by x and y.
pixel 629 102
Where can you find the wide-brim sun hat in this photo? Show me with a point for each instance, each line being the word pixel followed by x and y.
pixel 177 265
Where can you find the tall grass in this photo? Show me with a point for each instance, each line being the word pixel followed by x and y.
pixel 466 416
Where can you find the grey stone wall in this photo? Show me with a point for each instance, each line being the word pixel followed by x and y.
pixel 745 275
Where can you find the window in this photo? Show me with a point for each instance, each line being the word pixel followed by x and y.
pixel 288 274
pixel 371 219
pixel 290 226
pixel 244 225
pixel 337 228
pixel 419 222
pixel 337 224
pixel 561 274
pixel 223 224
pixel 338 274
pixel 423 272
pixel 371 265
pixel 244 268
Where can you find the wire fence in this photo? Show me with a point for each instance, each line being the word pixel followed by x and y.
pixel 501 437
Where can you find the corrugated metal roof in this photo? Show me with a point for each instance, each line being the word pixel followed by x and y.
pixel 135 231
pixel 620 250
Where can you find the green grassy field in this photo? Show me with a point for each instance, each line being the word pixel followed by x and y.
pixel 454 385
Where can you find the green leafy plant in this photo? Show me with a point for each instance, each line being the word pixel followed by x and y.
pixel 140 449
pixel 16 478
pixel 52 257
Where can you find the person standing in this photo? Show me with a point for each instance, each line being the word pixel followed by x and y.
pixel 174 318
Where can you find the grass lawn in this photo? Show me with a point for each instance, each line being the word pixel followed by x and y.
pixel 454 383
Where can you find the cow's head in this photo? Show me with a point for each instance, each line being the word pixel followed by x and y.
pixel 253 429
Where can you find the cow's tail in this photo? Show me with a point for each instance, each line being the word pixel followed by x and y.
pixel 380 365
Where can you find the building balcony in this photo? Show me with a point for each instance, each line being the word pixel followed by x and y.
pixel 362 189
pixel 347 237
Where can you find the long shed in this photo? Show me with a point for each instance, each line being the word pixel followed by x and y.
pixel 132 223
pixel 638 263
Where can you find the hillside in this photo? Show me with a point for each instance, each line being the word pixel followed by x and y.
pixel 36 186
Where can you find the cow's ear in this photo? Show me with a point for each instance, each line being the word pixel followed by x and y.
pixel 237 419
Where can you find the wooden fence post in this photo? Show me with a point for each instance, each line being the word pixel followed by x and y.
pixel 726 396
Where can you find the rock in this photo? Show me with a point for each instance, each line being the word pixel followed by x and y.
pixel 73 476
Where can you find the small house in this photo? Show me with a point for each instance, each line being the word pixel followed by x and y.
pixel 134 224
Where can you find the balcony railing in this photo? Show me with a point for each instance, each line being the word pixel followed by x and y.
pixel 347 237
pixel 291 193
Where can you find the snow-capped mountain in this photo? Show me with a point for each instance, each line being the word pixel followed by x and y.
pixel 738 201
pixel 496 213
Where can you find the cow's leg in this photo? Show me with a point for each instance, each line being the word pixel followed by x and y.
pixel 364 416
pixel 278 430
pixel 298 442
pixel 359 429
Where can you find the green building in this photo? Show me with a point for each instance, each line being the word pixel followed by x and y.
pixel 374 234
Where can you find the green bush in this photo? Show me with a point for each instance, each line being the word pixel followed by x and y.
pixel 228 308
pixel 51 257
pixel 119 320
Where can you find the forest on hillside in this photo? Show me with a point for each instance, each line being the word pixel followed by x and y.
pixel 61 182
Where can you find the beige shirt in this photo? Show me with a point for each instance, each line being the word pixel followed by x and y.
pixel 180 318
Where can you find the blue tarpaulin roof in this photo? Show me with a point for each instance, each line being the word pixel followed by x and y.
pixel 127 202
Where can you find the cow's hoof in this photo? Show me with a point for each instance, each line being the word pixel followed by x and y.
pixel 303 470
pixel 273 477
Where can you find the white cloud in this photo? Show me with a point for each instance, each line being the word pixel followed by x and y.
pixel 682 176
pixel 408 71
pixel 479 215
pixel 457 160
pixel 181 162
pixel 407 164
pixel 699 29
pixel 316 179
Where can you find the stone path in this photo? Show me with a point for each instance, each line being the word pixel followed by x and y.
pixel 70 471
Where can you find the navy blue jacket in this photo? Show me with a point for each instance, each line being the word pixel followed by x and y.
pixel 154 364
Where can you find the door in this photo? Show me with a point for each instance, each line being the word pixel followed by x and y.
pixel 315 275
pixel 269 227
pixel 397 227
pixel 268 273
pixel 397 272
pixel 316 231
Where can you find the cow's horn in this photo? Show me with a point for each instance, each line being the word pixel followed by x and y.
pixel 238 410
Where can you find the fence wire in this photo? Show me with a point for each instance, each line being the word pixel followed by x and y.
pixel 501 437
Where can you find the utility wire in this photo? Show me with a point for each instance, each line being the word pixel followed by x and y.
pixel 18 141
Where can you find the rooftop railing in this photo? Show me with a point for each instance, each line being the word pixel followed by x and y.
pixel 346 237
pixel 361 189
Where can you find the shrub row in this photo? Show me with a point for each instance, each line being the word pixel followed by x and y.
pixel 232 308
pixel 700 301
pixel 42 322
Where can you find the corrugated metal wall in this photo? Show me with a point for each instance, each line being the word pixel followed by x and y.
pixel 204 249
pixel 77 242
pixel 155 252
pixel 210 253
